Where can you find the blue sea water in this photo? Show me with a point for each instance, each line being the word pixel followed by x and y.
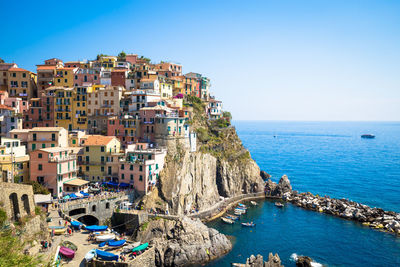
pixel 326 158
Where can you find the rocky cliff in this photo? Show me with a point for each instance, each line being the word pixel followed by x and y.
pixel 182 242
pixel 258 261
pixel 221 167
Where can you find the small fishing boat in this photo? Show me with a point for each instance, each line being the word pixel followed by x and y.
pixel 106 237
pixel 96 228
pixel 250 224
pixel 253 203
pixel 232 217
pixel 240 210
pixel 90 255
pixel 76 224
pixel 57 227
pixel 102 244
pixel 58 231
pixel 69 244
pixel 242 205
pixel 105 255
pixel 279 204
pixel 116 244
pixel 368 136
pixel 67 252
pixel 226 220
pixel 140 247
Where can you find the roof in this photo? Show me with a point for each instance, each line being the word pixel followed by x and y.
pixel 148 80
pixel 98 140
pixel 17 69
pixel 47 129
pixel 54 149
pixel 67 68
pixel 5 107
pixel 76 182
pixel 119 70
pixel 20 131
pixel 52 67
pixel 39 198
pixel 158 107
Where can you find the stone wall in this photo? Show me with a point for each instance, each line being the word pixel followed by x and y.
pixel 144 260
pixel 128 221
pixel 17 200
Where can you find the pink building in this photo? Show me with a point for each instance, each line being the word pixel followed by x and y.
pixel 86 77
pixel 141 166
pixel 52 167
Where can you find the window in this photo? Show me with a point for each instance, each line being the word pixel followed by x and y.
pixel 140 168
pixel 53 137
pixel 122 167
pixel 33 146
pixel 87 168
pixel 87 149
pixel 102 149
pixel 140 178
pixel 102 159
pixel 40 155
pixel 131 177
pixel 34 137
pixel 40 167
pixel 102 168
pixel 43 145
pixel 122 176
pixel 131 167
pixel 73 141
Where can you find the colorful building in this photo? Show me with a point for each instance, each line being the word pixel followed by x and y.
pixel 9 120
pixel 97 150
pixel 52 167
pixel 214 109
pixel 21 83
pixel 65 77
pixel 13 161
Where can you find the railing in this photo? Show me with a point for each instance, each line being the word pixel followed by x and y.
pixel 171 115
pixel 63 158
pixel 67 171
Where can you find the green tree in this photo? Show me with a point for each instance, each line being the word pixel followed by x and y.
pixel 122 56
pixel 11 251
pixel 100 55
pixel 38 188
pixel 1 60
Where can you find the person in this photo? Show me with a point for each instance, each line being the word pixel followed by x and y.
pixel 52 232
pixel 59 222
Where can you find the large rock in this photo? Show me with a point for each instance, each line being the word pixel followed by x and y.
pixel 182 242
pixel 258 261
pixel 282 188
pixel 303 261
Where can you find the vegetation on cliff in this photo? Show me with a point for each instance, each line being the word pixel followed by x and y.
pixel 216 137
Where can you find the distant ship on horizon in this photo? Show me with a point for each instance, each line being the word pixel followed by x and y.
pixel 368 136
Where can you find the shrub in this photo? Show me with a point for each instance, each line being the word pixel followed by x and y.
pixel 3 217
pixel 38 210
pixel 202 134
pixel 38 188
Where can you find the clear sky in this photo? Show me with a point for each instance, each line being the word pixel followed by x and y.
pixel 268 60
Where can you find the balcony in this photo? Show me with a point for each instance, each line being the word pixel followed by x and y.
pixel 62 159
pixel 71 170
pixel 170 115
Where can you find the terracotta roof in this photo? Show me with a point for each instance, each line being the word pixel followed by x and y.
pixel 46 67
pixel 5 107
pixel 17 69
pixel 98 140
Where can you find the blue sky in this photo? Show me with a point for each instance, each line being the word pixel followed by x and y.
pixel 268 60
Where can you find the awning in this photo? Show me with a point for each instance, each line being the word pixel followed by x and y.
pixel 76 182
pixel 123 185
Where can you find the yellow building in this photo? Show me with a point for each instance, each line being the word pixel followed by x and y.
pixel 63 106
pixel 179 86
pixel 21 83
pixel 166 88
pixel 98 150
pixel 79 107
pixel 65 77
pixel 108 62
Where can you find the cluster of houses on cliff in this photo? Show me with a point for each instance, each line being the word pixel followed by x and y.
pixel 103 120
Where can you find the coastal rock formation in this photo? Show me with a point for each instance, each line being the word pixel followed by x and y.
pixel 283 188
pixel 304 261
pixel 182 242
pixel 373 217
pixel 194 181
pixel 258 261
pixel 264 175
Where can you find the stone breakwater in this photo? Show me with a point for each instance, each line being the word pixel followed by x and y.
pixel 258 261
pixel 375 218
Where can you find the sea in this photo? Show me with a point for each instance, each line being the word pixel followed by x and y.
pixel 325 158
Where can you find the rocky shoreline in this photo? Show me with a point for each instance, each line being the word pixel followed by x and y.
pixel 376 218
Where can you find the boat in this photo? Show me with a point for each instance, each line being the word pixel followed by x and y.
pixel 226 220
pixel 69 244
pixel 58 231
pixel 250 224
pixel 56 227
pixel 90 255
pixel 232 217
pixel 105 255
pixel 253 203
pixel 106 237
pixel 368 136
pixel 102 244
pixel 117 243
pixel 240 211
pixel 241 208
pixel 96 228
pixel 76 224
pixel 279 205
pixel 242 205
pixel 67 252
pixel 140 247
